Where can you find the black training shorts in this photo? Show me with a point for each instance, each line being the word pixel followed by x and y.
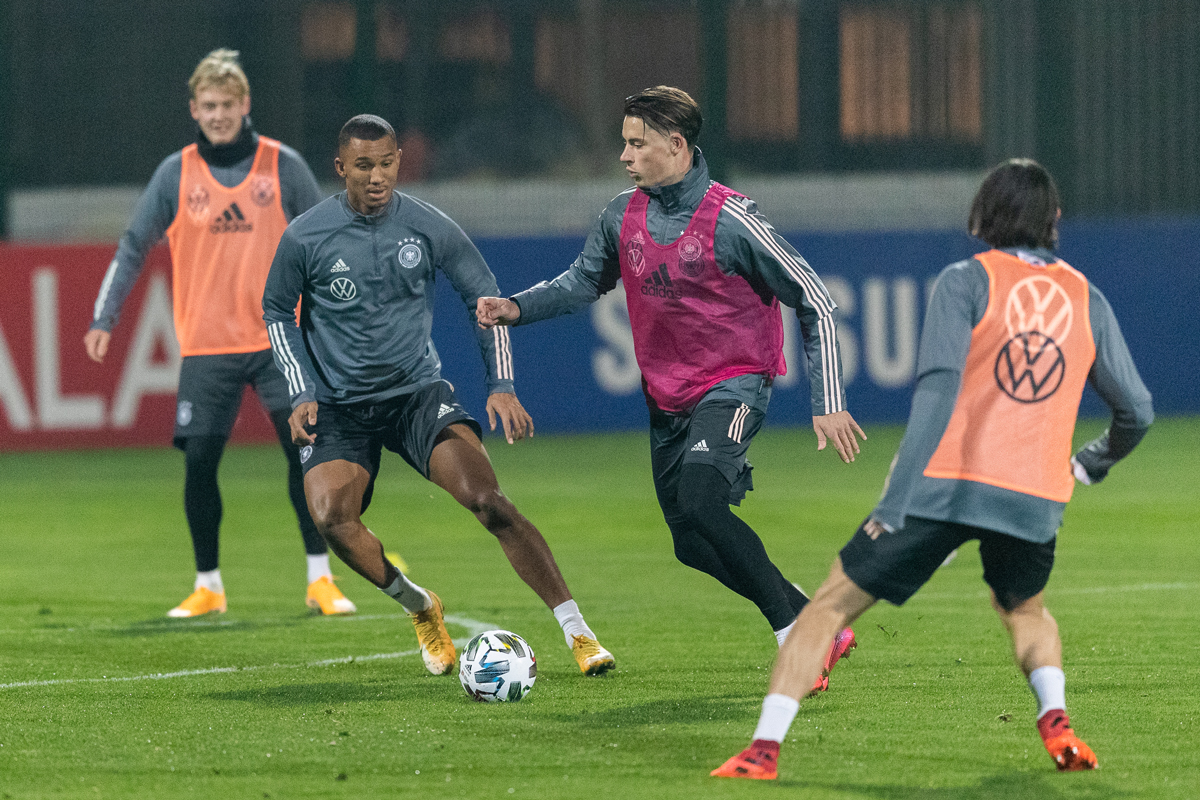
pixel 407 425
pixel 718 432
pixel 895 565
pixel 211 389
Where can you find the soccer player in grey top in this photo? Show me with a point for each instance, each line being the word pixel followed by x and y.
pixel 1011 337
pixel 704 274
pixel 363 375
pixel 222 202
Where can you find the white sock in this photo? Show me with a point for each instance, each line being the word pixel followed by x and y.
pixel 1049 684
pixel 778 712
pixel 782 634
pixel 318 567
pixel 408 594
pixel 571 621
pixel 210 580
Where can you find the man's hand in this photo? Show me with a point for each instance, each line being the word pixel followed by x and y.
pixel 96 341
pixel 840 427
pixel 303 417
pixel 874 528
pixel 492 311
pixel 513 416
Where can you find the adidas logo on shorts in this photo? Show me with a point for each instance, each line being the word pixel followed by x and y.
pixel 700 447
pixel 444 410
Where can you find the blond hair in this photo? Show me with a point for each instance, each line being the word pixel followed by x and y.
pixel 219 69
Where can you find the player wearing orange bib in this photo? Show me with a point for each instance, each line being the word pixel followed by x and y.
pixel 1010 338
pixel 223 204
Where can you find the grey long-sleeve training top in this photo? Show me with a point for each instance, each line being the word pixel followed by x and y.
pixel 745 244
pixel 956 306
pixel 366 286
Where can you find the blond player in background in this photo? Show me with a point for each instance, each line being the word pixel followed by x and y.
pixel 223 203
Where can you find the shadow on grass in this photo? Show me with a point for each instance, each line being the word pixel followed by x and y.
pixel 206 625
pixel 670 711
pixel 328 692
pixel 1047 785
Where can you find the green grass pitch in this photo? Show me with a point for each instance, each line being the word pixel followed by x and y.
pixel 102 697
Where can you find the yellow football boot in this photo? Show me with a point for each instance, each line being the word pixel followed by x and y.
pixel 198 603
pixel 436 648
pixel 591 657
pixel 326 597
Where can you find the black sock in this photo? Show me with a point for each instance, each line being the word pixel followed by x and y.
pixel 202 498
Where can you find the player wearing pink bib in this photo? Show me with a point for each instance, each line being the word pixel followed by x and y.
pixel 704 275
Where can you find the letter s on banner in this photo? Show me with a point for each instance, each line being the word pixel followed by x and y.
pixel 615 365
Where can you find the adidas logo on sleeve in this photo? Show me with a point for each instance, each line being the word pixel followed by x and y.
pixel 444 410
pixel 700 447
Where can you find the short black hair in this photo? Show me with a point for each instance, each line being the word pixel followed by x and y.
pixel 1017 206
pixel 667 110
pixel 367 127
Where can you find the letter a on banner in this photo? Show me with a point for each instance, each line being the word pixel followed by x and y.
pixel 56 411
pixel 12 394
pixel 141 375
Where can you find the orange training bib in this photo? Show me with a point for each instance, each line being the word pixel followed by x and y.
pixel 222 243
pixel 1029 359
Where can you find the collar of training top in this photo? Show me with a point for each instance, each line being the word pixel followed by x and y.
pixel 1038 256
pixel 688 193
pixel 226 155
pixel 371 219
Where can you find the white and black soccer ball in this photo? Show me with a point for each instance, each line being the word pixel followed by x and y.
pixel 497 667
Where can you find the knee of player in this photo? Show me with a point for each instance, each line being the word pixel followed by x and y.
pixel 492 508
pixel 1017 612
pixel 329 513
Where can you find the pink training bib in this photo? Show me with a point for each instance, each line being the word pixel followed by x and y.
pixel 693 325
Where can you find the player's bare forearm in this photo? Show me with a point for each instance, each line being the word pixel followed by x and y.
pixel 492 311
pixel 514 419
pixel 304 417
pixel 839 428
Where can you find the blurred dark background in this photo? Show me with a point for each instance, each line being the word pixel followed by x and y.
pixel 1106 93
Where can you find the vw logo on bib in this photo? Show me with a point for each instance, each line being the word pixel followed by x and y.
pixel 343 289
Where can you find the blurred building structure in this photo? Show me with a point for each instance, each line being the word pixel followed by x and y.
pixel 859 112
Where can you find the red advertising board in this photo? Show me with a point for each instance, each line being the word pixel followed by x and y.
pixel 52 396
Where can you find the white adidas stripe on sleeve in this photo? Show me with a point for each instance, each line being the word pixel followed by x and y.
pixel 283 351
pixel 503 345
pixel 816 294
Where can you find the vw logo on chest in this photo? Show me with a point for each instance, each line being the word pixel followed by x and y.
pixel 343 289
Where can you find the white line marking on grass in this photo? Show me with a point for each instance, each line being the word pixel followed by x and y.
pixel 473 627
pixel 177 625
pixel 1053 592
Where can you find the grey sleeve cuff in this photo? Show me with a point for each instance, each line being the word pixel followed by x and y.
pixel 1099 455
pixel 302 398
